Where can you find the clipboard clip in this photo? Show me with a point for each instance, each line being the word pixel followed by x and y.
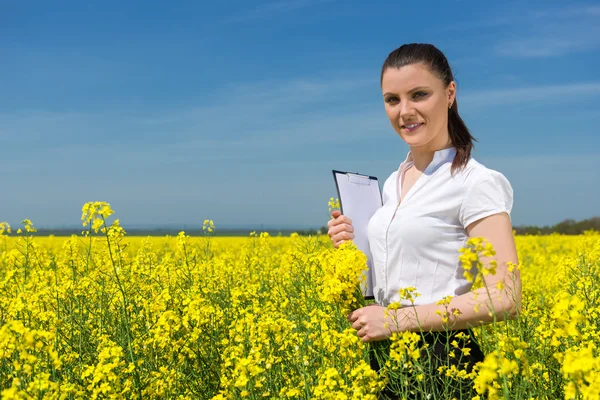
pixel 358 179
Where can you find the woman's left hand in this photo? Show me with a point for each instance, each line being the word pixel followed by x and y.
pixel 371 323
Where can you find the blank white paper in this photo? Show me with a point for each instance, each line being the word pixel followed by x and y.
pixel 360 197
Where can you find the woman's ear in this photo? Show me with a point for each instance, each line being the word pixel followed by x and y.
pixel 451 91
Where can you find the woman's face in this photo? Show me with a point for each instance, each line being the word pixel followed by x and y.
pixel 413 95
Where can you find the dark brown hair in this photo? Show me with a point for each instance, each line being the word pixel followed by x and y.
pixel 435 60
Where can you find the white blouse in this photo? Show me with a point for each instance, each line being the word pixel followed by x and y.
pixel 416 242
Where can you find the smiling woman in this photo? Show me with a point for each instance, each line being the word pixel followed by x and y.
pixel 437 200
pixel 420 92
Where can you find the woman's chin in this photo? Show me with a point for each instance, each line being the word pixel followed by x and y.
pixel 413 141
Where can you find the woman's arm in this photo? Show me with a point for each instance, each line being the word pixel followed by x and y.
pixel 474 308
pixel 477 307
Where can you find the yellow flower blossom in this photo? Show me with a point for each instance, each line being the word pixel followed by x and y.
pixel 266 317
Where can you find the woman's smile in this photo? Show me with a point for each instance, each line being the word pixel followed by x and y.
pixel 412 127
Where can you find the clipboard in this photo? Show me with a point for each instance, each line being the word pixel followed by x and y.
pixel 360 197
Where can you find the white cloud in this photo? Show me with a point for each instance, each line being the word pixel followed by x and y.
pixel 520 17
pixel 553 32
pixel 536 33
pixel 549 44
pixel 237 116
pixel 540 93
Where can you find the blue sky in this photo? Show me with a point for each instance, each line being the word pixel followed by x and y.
pixel 236 111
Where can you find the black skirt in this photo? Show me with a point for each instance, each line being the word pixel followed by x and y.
pixel 436 386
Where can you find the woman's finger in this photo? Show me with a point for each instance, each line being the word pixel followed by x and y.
pixel 357 325
pixel 340 229
pixel 362 332
pixel 341 238
pixel 341 219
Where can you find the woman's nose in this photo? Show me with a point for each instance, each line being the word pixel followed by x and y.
pixel 406 109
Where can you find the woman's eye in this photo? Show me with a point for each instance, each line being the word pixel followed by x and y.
pixel 391 99
pixel 420 94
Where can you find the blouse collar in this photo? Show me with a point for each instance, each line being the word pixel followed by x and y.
pixel 439 158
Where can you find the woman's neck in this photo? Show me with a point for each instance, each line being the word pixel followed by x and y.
pixel 422 157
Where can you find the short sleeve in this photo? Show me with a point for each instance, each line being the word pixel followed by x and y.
pixel 490 194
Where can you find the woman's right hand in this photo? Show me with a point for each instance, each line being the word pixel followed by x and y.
pixel 340 228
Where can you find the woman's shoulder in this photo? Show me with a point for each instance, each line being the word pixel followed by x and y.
pixel 475 173
pixel 485 192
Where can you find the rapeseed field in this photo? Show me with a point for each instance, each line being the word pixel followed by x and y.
pixel 104 315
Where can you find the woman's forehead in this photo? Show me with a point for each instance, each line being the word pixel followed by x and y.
pixel 407 78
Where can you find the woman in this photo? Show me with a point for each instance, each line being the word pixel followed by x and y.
pixel 439 197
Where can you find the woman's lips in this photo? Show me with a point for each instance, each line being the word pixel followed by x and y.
pixel 412 127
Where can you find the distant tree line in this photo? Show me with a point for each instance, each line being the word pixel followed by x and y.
pixel 566 227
